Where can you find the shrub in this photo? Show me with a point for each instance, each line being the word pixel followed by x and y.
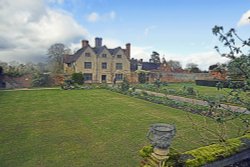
pixel 142 77
pixel 78 78
pixel 125 85
pixel 146 151
pixel 39 79
pixel 157 83
pixel 188 90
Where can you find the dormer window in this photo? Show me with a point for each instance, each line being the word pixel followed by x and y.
pixel 104 55
pixel 87 54
pixel 119 56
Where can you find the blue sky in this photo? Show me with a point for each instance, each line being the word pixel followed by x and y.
pixel 177 29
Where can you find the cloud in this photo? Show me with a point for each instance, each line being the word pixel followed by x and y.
pixel 245 19
pixel 139 52
pixel 111 15
pixel 148 29
pixel 28 28
pixel 203 59
pixel 95 17
pixel 57 1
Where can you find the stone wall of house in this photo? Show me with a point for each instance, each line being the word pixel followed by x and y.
pixel 97 71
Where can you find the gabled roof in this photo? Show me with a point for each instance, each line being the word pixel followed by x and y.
pixel 99 50
pixel 74 57
pixel 115 50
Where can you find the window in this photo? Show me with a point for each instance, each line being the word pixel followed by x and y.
pixel 119 66
pixel 87 77
pixel 87 65
pixel 87 54
pixel 119 56
pixel 104 65
pixel 104 55
pixel 118 77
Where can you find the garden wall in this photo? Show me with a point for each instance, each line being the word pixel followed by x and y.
pixel 172 77
pixel 184 77
pixel 9 82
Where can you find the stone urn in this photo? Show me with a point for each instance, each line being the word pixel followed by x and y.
pixel 160 136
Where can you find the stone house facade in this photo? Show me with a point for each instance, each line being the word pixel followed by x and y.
pixel 99 64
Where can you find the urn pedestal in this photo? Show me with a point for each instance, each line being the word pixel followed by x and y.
pixel 160 136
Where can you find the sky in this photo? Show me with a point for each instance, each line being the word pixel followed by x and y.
pixel 177 29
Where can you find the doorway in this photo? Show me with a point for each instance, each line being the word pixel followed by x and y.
pixel 104 78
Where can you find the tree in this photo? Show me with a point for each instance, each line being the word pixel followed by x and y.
pixel 164 61
pixel 239 61
pixel 213 67
pixel 174 64
pixel 40 80
pixel 241 64
pixel 239 68
pixel 192 67
pixel 221 114
pixel 155 57
pixel 56 53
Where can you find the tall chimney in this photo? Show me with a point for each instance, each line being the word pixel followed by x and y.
pixel 128 49
pixel 85 43
pixel 98 42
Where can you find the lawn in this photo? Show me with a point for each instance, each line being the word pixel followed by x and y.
pixel 84 128
pixel 205 90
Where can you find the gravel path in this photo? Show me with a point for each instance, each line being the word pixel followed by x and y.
pixel 18 89
pixel 195 101
pixel 177 98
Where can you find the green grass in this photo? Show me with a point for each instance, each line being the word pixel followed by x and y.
pixel 84 128
pixel 205 90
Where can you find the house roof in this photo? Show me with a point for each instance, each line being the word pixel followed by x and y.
pixel 115 50
pixel 97 50
pixel 150 66
pixel 74 57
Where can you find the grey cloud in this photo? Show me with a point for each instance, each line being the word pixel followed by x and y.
pixel 28 28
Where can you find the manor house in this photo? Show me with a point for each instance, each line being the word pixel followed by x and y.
pixel 99 64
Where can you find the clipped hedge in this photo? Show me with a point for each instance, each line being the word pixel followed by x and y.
pixel 201 156
pixel 225 84
pixel 215 152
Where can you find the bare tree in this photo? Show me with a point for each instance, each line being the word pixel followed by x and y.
pixel 174 64
pixel 56 53
pixel 192 67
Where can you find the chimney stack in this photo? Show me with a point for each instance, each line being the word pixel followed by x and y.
pixel 128 49
pixel 85 43
pixel 98 42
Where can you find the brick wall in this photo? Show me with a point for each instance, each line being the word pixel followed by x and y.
pixel 173 77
